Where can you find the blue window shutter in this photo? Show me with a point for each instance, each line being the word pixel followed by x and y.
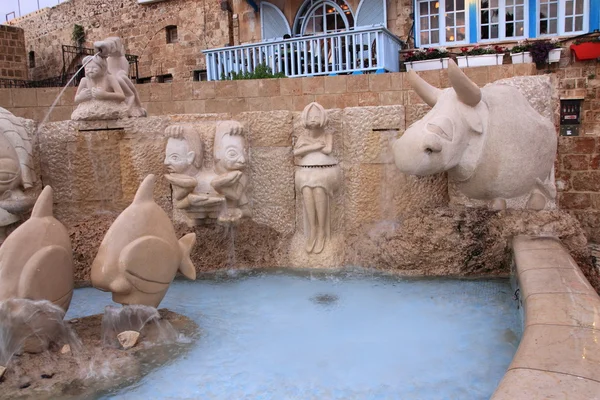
pixel 371 12
pixel 533 18
pixel 272 22
pixel 594 15
pixel 473 21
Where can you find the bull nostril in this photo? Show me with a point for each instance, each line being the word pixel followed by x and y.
pixel 428 150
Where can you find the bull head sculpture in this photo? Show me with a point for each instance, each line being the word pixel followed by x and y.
pixel 439 140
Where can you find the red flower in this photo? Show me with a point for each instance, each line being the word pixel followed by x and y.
pixel 430 50
pixel 464 49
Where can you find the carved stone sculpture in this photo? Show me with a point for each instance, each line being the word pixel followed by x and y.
pixel 107 85
pixel 230 162
pixel 140 254
pixel 16 170
pixel 36 260
pixel 113 50
pixel 493 144
pixel 99 95
pixel 318 176
pixel 192 189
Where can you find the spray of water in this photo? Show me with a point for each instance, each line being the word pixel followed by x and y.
pixel 32 326
pixel 139 318
pixel 63 91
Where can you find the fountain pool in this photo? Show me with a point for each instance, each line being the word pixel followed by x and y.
pixel 286 335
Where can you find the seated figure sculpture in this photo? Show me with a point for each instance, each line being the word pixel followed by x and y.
pixel 475 135
pixel 16 171
pixel 99 95
pixel 192 190
pixel 140 254
pixel 36 260
pixel 230 162
pixel 318 176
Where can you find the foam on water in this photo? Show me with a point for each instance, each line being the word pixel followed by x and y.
pixel 285 336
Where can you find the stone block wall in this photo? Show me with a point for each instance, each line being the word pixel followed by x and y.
pixel 200 25
pixel 13 59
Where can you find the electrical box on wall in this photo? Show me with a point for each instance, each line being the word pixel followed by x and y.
pixel 570 117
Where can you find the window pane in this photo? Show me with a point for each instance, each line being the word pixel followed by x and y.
pixel 435 37
pixel 520 29
pixel 579 6
pixel 460 34
pixel 509 2
pixel 553 10
pixel 495 31
pixel 460 19
pixel 569 24
pixel 552 28
pixel 578 23
pixel 510 29
pixel 435 22
pixel 450 35
pixel 460 5
pixel 449 5
pixel 424 37
pixel 494 3
pixel 434 7
pixel 520 13
pixel 449 20
pixel 569 8
pixel 424 23
pixel 485 34
pixel 423 8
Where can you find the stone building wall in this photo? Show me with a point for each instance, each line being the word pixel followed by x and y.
pixel 13 59
pixel 200 25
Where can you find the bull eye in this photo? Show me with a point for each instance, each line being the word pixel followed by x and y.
pixel 443 128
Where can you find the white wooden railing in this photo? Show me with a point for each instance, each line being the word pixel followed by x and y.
pixel 361 49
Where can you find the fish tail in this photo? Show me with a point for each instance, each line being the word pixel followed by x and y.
pixel 186 244
pixel 43 204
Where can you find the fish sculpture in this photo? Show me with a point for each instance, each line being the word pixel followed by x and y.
pixel 140 254
pixel 36 260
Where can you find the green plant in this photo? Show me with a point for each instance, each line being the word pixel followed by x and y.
pixel 539 50
pixel 262 71
pixel 78 35
pixel 430 53
pixel 522 46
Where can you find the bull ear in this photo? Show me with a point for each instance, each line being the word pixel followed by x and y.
pixel 428 93
pixel 467 91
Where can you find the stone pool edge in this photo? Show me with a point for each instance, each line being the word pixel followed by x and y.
pixel 559 351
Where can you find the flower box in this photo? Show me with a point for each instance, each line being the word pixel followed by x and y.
pixel 521 58
pixel 554 55
pixel 587 50
pixel 480 60
pixel 426 65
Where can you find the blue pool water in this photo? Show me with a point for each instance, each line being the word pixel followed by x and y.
pixel 280 336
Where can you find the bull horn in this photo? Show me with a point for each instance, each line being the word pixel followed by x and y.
pixel 428 93
pixel 467 91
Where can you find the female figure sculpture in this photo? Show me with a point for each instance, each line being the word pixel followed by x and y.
pixel 99 92
pixel 317 176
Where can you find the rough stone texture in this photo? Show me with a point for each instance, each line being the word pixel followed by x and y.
pixel 128 339
pixel 460 241
pixel 76 375
pixel 200 25
pixel 94 110
pixel 13 59
pixel 538 90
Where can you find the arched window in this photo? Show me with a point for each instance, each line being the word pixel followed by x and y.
pixel 323 16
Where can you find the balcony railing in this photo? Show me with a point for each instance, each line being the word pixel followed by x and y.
pixel 361 49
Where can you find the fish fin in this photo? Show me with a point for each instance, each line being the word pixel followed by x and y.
pixel 43 204
pixel 186 244
pixel 48 275
pixel 145 192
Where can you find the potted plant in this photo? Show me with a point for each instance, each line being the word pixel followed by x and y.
pixel 586 49
pixel 540 52
pixel 480 56
pixel 427 59
pixel 520 53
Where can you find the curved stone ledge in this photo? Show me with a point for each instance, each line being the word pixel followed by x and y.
pixel 559 354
